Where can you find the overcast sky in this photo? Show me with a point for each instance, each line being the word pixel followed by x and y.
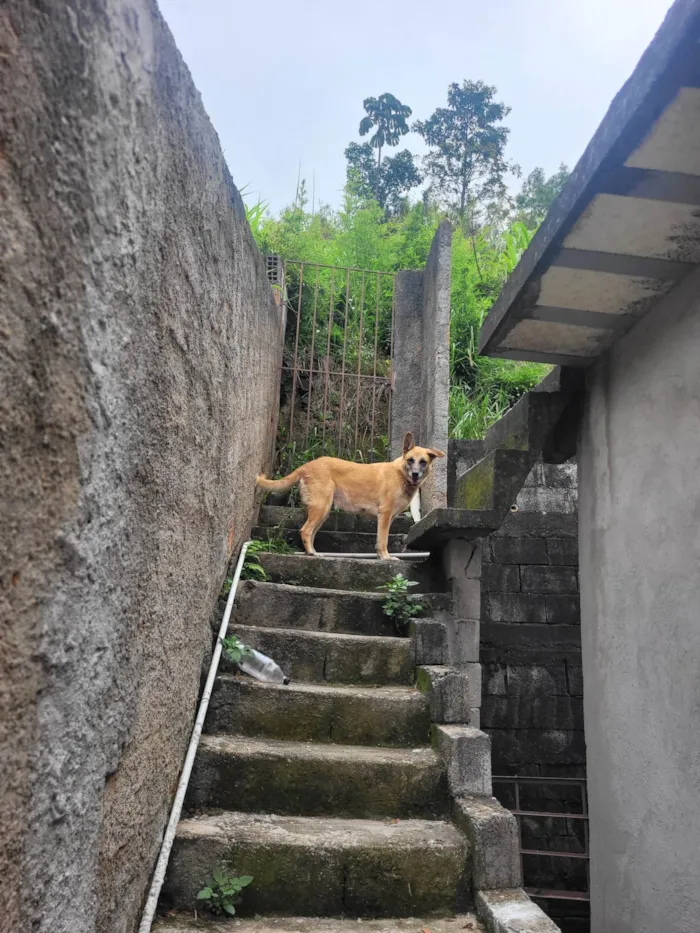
pixel 283 82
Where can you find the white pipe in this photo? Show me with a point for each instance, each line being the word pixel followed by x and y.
pixel 169 837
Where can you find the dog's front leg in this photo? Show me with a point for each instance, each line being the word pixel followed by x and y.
pixel 383 526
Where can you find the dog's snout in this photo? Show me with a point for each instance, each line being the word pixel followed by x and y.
pixel 415 476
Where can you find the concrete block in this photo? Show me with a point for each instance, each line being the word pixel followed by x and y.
pixel 515 607
pixel 466 752
pixel 466 597
pixel 451 693
pixel 494 679
pixel 475 718
pixel 512 911
pixel 518 550
pixel 463 642
pixel 574 678
pixel 493 833
pixel 545 499
pixel 563 610
pixel 546 579
pixel 431 641
pixel 502 578
pixel 462 559
pixel 562 551
pixel 529 681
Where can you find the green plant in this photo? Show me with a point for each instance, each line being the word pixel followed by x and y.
pixel 399 606
pixel 252 569
pixel 234 649
pixel 223 891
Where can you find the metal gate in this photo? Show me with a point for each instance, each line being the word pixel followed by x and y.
pixel 335 380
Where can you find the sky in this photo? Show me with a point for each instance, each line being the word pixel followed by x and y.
pixel 283 82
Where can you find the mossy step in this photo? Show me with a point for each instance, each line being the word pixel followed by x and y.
pixel 185 923
pixel 277 605
pixel 335 542
pixel 390 716
pixel 309 779
pixel 324 867
pixel 273 516
pixel 348 573
pixel 332 658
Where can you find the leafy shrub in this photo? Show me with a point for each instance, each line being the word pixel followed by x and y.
pixel 222 892
pixel 398 605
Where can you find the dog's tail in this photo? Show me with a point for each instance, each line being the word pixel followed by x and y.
pixel 279 485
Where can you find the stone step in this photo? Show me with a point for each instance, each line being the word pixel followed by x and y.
pixel 347 573
pixel 273 516
pixel 184 923
pixel 313 866
pixel 389 716
pixel 332 658
pixel 277 605
pixel 305 779
pixel 335 542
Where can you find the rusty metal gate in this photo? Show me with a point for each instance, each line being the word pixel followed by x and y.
pixel 335 379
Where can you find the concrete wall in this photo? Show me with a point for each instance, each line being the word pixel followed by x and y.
pixel 639 474
pixel 138 368
pixel 421 364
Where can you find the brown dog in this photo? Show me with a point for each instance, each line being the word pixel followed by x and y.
pixel 383 489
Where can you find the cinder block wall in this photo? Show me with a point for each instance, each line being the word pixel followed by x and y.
pixel 139 353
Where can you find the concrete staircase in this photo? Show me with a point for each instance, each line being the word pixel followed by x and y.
pixel 349 793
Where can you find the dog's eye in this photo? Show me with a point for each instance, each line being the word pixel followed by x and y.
pixel 423 462
pixel 410 461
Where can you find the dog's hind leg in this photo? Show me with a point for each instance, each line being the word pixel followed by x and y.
pixel 317 512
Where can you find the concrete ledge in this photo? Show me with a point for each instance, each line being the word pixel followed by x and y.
pixel 430 637
pixel 512 911
pixel 443 525
pixel 493 833
pixel 467 755
pixel 451 693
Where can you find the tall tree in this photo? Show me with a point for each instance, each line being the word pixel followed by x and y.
pixel 467 163
pixel 389 117
pixel 388 183
pixel 537 193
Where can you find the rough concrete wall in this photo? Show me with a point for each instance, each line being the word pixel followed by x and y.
pixel 437 279
pixel 406 399
pixel 138 369
pixel 640 592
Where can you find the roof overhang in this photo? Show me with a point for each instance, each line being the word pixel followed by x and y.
pixel 626 228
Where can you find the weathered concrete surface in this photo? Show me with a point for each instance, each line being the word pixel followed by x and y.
pixel 323 925
pixel 420 397
pixel 332 657
pixel 359 867
pixel 137 336
pixel 393 716
pixel 314 779
pixel 493 834
pixel 278 605
pixel 347 573
pixel 512 911
pixel 467 755
pixel 639 515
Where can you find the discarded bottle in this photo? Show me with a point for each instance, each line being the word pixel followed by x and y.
pixel 258 665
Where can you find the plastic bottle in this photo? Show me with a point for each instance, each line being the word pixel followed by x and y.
pixel 259 666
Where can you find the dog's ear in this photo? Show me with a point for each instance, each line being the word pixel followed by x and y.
pixel 432 453
pixel 408 442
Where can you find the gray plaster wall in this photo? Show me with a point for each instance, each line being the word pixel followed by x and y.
pixel 421 364
pixel 139 346
pixel 639 509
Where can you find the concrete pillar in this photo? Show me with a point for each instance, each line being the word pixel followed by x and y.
pixel 421 364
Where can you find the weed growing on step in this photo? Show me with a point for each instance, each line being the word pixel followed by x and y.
pixel 223 891
pixel 398 605
pixel 234 649
pixel 252 568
